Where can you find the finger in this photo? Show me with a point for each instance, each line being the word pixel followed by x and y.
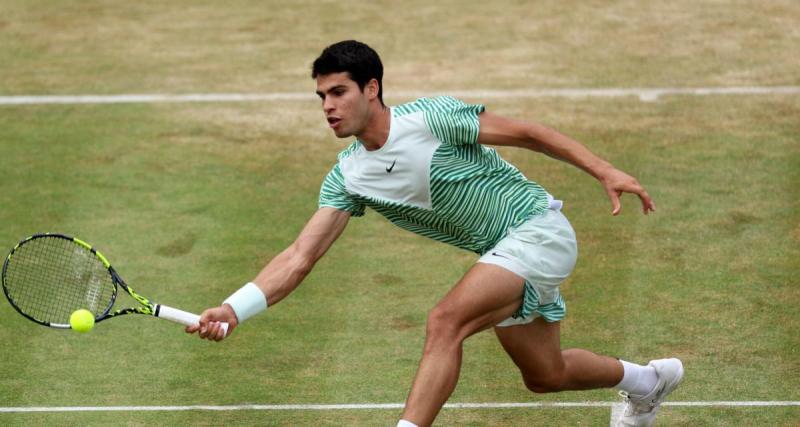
pixel 204 327
pixel 649 207
pixel 616 206
pixel 206 320
pixel 213 331
pixel 647 203
pixel 220 334
pixel 192 329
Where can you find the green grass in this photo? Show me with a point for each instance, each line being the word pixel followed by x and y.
pixel 188 201
pixel 462 417
pixel 190 46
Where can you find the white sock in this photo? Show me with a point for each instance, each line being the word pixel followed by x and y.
pixel 404 423
pixel 637 380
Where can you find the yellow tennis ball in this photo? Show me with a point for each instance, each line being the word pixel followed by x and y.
pixel 81 320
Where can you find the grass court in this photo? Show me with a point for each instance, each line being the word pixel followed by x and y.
pixel 189 200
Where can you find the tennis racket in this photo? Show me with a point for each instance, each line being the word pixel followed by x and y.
pixel 46 277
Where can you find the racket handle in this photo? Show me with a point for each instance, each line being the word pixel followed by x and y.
pixel 183 317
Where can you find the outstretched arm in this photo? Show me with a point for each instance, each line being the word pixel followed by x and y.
pixel 497 130
pixel 283 273
pixel 287 270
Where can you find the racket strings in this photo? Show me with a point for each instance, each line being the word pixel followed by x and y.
pixel 50 277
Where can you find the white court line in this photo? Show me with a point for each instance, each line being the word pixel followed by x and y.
pixel 616 413
pixel 334 407
pixel 644 94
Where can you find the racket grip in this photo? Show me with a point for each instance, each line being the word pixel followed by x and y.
pixel 183 317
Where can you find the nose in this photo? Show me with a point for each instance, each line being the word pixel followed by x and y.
pixel 327 104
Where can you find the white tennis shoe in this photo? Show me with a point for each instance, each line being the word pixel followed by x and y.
pixel 640 411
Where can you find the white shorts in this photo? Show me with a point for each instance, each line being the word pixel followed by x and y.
pixel 543 251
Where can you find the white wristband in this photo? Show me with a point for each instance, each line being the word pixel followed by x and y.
pixel 247 302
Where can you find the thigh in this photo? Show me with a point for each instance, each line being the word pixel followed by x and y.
pixel 534 347
pixel 542 250
pixel 486 295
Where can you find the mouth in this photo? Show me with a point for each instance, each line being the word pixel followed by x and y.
pixel 333 122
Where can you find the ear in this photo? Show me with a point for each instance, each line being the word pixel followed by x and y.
pixel 372 88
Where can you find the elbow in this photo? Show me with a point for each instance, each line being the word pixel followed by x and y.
pixel 534 136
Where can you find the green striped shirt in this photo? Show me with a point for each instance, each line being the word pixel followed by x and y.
pixel 433 178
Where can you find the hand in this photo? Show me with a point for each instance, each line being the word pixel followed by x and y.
pixel 617 182
pixel 209 327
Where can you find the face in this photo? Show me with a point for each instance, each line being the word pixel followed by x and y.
pixel 345 105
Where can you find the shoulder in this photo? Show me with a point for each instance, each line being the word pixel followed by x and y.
pixel 335 174
pixel 450 120
pixel 347 152
pixel 439 104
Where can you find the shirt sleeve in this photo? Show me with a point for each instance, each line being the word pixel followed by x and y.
pixel 453 121
pixel 333 194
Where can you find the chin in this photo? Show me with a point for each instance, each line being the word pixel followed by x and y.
pixel 342 133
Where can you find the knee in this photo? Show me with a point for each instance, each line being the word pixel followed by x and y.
pixel 442 324
pixel 546 383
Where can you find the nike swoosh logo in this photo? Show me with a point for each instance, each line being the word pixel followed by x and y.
pixel 501 256
pixel 389 169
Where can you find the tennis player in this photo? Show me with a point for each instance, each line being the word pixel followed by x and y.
pixel 427 167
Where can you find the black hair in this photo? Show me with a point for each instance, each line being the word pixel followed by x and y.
pixel 351 56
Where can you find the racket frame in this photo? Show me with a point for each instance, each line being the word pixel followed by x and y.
pixel 146 306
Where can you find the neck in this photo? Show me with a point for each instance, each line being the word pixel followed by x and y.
pixel 376 132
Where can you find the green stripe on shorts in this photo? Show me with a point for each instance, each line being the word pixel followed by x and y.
pixel 552 312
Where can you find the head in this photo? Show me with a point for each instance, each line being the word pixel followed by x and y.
pixel 349 80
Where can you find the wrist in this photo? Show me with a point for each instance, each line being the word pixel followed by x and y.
pixel 229 311
pixel 601 170
pixel 246 302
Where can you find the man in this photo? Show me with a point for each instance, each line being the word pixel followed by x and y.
pixel 425 166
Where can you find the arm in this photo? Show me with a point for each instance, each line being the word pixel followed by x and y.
pixel 287 270
pixel 497 130
pixel 284 273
